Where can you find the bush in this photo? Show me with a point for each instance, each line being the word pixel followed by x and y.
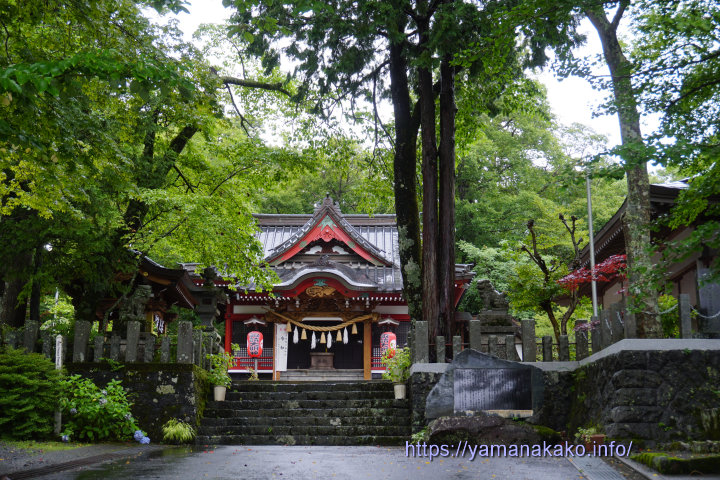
pixel 220 364
pixel 29 389
pixel 397 366
pixel 94 414
pixel 177 431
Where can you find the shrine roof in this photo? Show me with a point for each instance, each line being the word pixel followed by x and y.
pixel 373 238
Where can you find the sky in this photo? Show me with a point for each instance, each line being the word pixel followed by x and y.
pixel 572 100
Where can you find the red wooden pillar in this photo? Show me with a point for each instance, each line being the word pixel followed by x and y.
pixel 367 349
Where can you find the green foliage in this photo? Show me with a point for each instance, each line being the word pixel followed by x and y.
pixel 670 321
pixel 676 53
pixel 29 389
pixel 584 433
pixel 421 436
pixel 397 367
pixel 220 363
pixel 57 318
pixel 177 432
pixel 96 414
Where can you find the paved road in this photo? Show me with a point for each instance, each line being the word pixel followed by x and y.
pixel 305 462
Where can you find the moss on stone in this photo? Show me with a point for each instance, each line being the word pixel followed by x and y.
pixel 548 434
pixel 665 463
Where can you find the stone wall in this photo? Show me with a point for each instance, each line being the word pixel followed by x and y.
pixel 659 395
pixel 158 392
pixel 651 390
pixel 423 377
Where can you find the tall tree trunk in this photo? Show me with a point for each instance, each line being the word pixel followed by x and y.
pixel 12 314
pixel 406 205
pixel 430 295
pixel 36 291
pixel 446 255
pixel 642 294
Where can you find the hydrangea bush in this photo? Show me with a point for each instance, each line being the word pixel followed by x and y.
pixel 91 413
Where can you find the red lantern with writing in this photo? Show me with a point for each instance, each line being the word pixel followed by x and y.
pixel 388 341
pixel 254 344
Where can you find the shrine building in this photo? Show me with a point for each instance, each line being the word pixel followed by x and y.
pixel 339 289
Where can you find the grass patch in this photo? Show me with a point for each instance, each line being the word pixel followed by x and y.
pixel 42 446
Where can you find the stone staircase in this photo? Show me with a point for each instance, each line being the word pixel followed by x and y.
pixel 307 413
pixel 312 375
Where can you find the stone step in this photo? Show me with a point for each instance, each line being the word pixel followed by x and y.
pixel 309 430
pixel 323 420
pixel 293 405
pixel 300 440
pixel 275 386
pixel 321 375
pixel 307 413
pixel 312 395
pixel 401 411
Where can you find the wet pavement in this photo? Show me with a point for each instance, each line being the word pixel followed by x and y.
pixel 312 462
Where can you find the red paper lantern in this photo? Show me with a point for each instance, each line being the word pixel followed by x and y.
pixel 254 344
pixel 388 341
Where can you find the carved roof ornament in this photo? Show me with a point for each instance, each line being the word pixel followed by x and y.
pixel 320 291
pixel 328 203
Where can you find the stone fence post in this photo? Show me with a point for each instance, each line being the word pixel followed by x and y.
pixel 99 346
pixel 80 345
pixel 185 342
pixel 420 342
pixel 198 350
pixel 133 335
pixel 493 345
pixel 440 348
pixel 605 332
pixel 547 348
pixel 630 325
pixel 684 313
pixel 457 345
pixel 47 344
pixel 475 335
pixel 581 340
pixel 564 348
pixel 529 347
pixel 165 349
pixel 595 334
pixel 616 323
pixel 510 352
pixel 30 335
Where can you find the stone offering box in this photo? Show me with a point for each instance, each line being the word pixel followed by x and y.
pixel 477 382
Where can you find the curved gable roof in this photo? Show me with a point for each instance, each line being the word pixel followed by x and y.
pixel 328 223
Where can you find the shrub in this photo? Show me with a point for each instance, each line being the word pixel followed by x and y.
pixel 29 389
pixel 94 414
pixel 220 363
pixel 177 431
pixel 397 366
